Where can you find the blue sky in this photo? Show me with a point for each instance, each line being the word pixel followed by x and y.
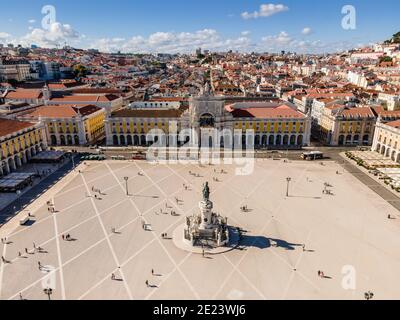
pixel 181 25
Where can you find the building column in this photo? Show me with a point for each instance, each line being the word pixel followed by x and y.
pixel 24 159
pixel 18 164
pixel 13 165
pixel 81 133
pixel 109 135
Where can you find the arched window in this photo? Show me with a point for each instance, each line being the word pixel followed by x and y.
pixel 300 140
pixel 207 121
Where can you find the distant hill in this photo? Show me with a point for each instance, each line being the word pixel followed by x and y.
pixel 395 39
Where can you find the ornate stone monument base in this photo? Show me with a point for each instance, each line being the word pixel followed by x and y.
pixel 181 243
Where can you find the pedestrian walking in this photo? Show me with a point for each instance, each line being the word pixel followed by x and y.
pixel 26 250
pixel 112 276
pixel 40 265
pixel 152 272
pixel 19 254
pixel 20 296
pixel 147 283
pixel 63 237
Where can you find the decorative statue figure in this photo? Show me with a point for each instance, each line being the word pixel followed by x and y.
pixel 206 192
pixel 206 90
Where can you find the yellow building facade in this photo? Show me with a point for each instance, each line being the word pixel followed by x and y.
pixel 341 126
pixel 70 125
pixel 275 125
pixel 19 141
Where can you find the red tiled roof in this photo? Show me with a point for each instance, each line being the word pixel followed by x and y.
pixel 62 111
pixel 282 111
pixel 358 112
pixel 394 124
pixel 88 98
pixel 385 113
pixel 20 94
pixel 94 91
pixel 10 126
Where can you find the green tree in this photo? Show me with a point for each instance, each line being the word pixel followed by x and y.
pixel 386 59
pixel 80 71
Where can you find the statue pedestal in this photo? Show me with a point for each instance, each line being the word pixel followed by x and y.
pixel 181 243
pixel 206 214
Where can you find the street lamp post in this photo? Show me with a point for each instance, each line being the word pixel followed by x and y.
pixel 48 292
pixel 126 185
pixel 287 189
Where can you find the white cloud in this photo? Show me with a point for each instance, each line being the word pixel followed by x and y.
pixel 57 34
pixel 187 42
pixel 32 21
pixel 4 35
pixel 282 38
pixel 245 33
pixel 171 42
pixel 266 10
pixel 283 41
pixel 306 31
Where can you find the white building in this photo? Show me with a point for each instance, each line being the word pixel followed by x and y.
pixel 155 105
pixel 357 79
pixel 392 99
pixel 387 139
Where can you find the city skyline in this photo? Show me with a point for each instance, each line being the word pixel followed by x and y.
pixel 180 27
